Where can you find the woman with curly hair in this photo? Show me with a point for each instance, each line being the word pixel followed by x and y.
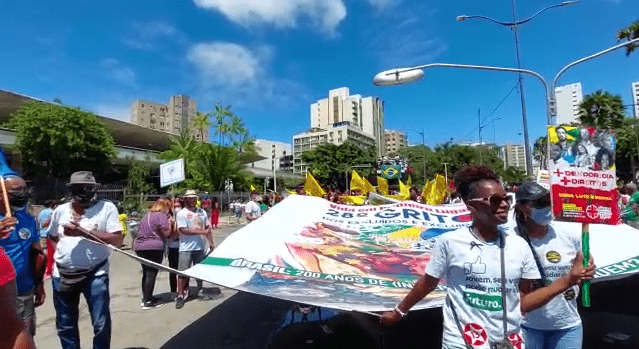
pixel 490 275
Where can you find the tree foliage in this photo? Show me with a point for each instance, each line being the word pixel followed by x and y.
pixel 212 164
pixel 602 110
pixel 629 33
pixel 208 165
pixel 513 175
pixel 138 185
pixel 57 140
pixel 330 162
pixel 453 155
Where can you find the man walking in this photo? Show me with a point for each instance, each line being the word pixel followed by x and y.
pixel 194 227
pixel 252 209
pixel 80 229
pixel 24 249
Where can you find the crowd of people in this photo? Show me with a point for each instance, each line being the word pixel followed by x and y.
pixel 534 268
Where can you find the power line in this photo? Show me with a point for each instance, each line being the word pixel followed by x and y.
pixel 492 112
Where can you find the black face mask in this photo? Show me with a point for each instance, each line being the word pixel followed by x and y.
pixel 19 199
pixel 85 196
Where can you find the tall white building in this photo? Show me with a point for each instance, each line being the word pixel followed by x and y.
pixel 337 134
pixel 568 99
pixel 513 155
pixel 364 113
pixel 635 98
pixel 273 151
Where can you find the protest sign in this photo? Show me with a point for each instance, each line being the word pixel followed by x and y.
pixel 582 175
pixel 172 172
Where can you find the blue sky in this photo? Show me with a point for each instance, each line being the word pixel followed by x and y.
pixel 270 59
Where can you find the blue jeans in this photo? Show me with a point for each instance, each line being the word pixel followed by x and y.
pixel 569 338
pixel 96 293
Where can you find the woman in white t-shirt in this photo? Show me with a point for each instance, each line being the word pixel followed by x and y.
pixel 556 325
pixel 470 261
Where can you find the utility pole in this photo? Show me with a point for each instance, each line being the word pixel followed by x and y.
pixel 446 171
pixel 481 160
pixel 524 116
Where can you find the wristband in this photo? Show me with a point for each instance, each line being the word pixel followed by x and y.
pixel 399 311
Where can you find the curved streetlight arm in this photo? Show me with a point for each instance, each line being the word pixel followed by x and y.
pixel 510 24
pixel 563 70
pixel 483 67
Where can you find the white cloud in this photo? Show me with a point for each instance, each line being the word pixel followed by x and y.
pixel 146 35
pixel 381 4
pixel 118 112
pixel 323 14
pixel 240 76
pixel 402 39
pixel 118 72
pixel 221 63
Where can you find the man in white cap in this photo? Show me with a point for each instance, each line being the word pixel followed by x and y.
pixel 79 229
pixel 194 227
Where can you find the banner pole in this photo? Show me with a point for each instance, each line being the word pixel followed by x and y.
pixel 585 248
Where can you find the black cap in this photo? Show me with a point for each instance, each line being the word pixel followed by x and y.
pixel 530 191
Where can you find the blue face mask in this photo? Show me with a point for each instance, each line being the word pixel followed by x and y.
pixel 541 216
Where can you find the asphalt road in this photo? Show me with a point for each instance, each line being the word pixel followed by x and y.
pixel 233 320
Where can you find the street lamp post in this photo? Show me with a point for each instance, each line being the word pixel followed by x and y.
pixel 514 26
pixel 423 149
pixel 354 166
pixel 402 76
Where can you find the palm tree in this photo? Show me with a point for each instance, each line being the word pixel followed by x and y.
pixel 630 33
pixel 602 110
pixel 182 146
pixel 540 151
pixel 236 127
pixel 221 125
pixel 201 123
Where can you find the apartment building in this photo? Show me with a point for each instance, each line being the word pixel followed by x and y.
pixel 395 140
pixel 176 116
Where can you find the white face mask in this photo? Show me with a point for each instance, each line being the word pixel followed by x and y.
pixel 541 216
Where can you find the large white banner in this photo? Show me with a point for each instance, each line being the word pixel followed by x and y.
pixel 363 258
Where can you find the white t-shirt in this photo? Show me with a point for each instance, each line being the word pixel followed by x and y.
pixel 472 272
pixel 253 209
pixel 192 219
pixel 556 252
pixel 75 252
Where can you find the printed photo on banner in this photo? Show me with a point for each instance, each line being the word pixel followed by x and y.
pixel 582 174
pixel 582 147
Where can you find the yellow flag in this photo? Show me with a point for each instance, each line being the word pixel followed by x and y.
pixel 311 187
pixel 357 182
pixel 437 191
pixel 368 187
pixel 382 186
pixel 355 200
pixel 427 189
pixel 253 188
pixel 404 192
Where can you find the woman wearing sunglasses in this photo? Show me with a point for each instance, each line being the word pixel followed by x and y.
pixel 556 325
pixel 471 261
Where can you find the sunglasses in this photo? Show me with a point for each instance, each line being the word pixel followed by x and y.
pixel 495 200
pixel 541 202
